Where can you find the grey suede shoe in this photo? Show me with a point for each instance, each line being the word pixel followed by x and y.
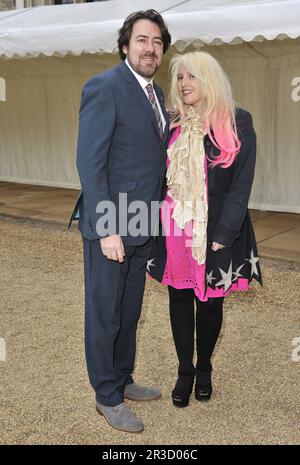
pixel 134 391
pixel 120 417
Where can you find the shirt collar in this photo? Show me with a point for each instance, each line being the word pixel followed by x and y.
pixel 142 81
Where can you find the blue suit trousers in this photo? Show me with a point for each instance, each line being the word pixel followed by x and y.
pixel 113 300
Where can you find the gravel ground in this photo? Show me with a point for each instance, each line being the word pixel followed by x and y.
pixel 45 396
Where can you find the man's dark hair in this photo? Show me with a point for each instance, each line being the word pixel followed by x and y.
pixel 126 30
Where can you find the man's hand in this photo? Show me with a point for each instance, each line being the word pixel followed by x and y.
pixel 112 247
pixel 215 246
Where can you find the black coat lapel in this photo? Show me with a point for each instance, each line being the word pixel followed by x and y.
pixel 163 109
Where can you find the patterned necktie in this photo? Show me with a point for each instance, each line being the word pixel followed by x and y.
pixel 152 99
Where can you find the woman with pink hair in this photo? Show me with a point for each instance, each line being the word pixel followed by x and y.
pixel 209 240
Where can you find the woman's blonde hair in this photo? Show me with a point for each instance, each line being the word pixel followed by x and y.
pixel 217 105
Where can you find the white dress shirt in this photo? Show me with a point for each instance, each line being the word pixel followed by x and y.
pixel 143 83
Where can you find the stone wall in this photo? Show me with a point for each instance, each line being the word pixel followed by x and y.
pixel 10 4
pixel 7 5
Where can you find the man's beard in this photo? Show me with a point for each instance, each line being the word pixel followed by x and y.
pixel 144 70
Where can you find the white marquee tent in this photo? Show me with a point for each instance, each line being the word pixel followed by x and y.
pixel 47 53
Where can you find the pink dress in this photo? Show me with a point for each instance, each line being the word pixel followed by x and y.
pixel 182 271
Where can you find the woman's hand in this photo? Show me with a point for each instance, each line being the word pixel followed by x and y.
pixel 176 118
pixel 215 246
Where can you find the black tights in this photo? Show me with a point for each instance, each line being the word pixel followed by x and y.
pixel 209 316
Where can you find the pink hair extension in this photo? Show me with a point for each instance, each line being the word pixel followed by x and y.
pixel 225 138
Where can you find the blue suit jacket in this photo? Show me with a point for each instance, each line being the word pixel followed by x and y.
pixel 119 151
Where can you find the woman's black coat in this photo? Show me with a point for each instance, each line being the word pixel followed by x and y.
pixel 229 222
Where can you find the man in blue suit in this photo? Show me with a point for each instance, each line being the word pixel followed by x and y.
pixel 122 140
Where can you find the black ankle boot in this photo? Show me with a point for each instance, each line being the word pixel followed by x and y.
pixel 183 389
pixel 203 387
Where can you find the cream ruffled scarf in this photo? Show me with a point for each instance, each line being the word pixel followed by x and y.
pixel 186 181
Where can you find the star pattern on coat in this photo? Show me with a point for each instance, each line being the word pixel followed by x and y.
pixel 226 280
pixel 253 260
pixel 237 272
pixel 150 263
pixel 210 277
